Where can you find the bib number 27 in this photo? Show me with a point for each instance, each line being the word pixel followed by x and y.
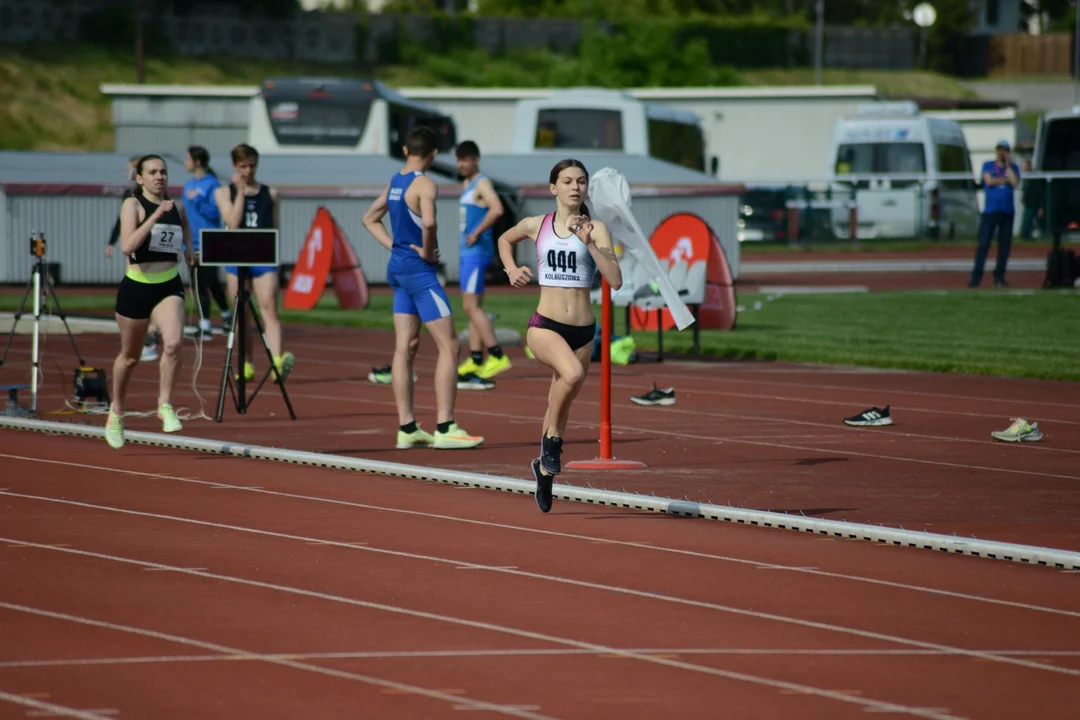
pixel 562 261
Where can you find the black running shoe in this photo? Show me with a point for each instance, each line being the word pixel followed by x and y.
pixel 543 487
pixel 656 396
pixel 551 454
pixel 472 381
pixel 873 417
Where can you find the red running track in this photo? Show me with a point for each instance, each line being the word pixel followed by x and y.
pixel 760 435
pixel 155 584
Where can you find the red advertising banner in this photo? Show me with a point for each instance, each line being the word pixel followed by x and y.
pixel 687 237
pixel 326 251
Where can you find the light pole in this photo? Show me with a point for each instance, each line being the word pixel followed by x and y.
pixel 819 42
pixel 924 16
pixel 1076 54
pixel 140 70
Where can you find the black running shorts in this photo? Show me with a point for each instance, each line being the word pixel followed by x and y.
pixel 576 336
pixel 137 300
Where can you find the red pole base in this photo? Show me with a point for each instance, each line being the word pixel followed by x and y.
pixel 602 464
pixel 605 461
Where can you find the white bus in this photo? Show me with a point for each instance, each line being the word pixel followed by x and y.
pixel 339 115
pixel 598 120
pixel 1057 149
pixel 896 154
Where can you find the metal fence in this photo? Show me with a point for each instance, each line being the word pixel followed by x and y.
pixel 944 206
pixel 77 223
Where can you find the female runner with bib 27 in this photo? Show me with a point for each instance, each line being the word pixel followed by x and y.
pixel 154 232
pixel 570 247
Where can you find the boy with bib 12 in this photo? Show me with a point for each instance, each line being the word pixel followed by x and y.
pixel 419 297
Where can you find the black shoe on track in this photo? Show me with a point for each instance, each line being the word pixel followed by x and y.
pixel 874 417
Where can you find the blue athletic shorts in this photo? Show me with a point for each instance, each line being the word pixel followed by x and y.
pixel 472 271
pixel 419 294
pixel 254 272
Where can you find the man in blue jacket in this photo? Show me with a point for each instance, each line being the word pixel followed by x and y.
pixel 1000 177
pixel 202 212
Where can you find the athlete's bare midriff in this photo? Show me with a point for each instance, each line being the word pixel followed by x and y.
pixel 570 306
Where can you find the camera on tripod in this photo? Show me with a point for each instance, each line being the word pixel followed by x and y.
pixel 38 246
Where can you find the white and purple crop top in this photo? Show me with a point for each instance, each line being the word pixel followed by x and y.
pixel 562 262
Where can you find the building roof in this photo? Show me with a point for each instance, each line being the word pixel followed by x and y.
pixel 533 169
pixel 69 168
pixel 285 170
pixel 316 171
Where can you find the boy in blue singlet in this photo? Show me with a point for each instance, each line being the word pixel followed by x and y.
pixel 480 210
pixel 418 296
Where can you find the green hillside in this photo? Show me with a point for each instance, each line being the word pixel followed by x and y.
pixel 50 98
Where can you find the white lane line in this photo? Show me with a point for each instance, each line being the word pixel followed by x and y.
pixel 52 708
pixel 719 440
pixel 589 538
pixel 475 624
pixel 799 622
pixel 293 664
pixel 536 652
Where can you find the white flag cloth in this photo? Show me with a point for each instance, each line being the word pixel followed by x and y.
pixel 609 202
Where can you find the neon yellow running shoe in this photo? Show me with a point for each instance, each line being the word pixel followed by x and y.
pixel 493 366
pixel 169 422
pixel 414 439
pixel 467 367
pixel 249 372
pixel 114 430
pixel 455 439
pixel 285 364
pixel 529 353
pixel 1020 431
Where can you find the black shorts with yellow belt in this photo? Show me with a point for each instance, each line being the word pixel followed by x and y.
pixel 140 292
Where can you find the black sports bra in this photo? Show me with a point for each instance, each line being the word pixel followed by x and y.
pixel 166 237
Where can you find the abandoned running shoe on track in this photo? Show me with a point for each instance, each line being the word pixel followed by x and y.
pixel 1020 431
pixel 874 417
pixel 382 375
pixel 656 396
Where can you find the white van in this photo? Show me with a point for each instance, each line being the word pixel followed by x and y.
pixel 893 138
pixel 608 120
pixel 1057 149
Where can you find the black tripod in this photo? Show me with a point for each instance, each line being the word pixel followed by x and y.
pixel 40 284
pixel 238 386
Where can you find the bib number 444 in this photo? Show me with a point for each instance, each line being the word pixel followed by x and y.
pixel 562 261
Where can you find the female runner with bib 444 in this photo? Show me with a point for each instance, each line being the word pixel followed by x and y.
pixel 570 247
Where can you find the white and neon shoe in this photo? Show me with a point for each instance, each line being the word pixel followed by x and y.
pixel 419 438
pixel 1020 431
pixel 114 430
pixel 169 422
pixel 455 439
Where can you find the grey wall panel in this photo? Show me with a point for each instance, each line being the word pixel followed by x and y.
pixel 7 247
pixel 76 229
pixel 174 142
